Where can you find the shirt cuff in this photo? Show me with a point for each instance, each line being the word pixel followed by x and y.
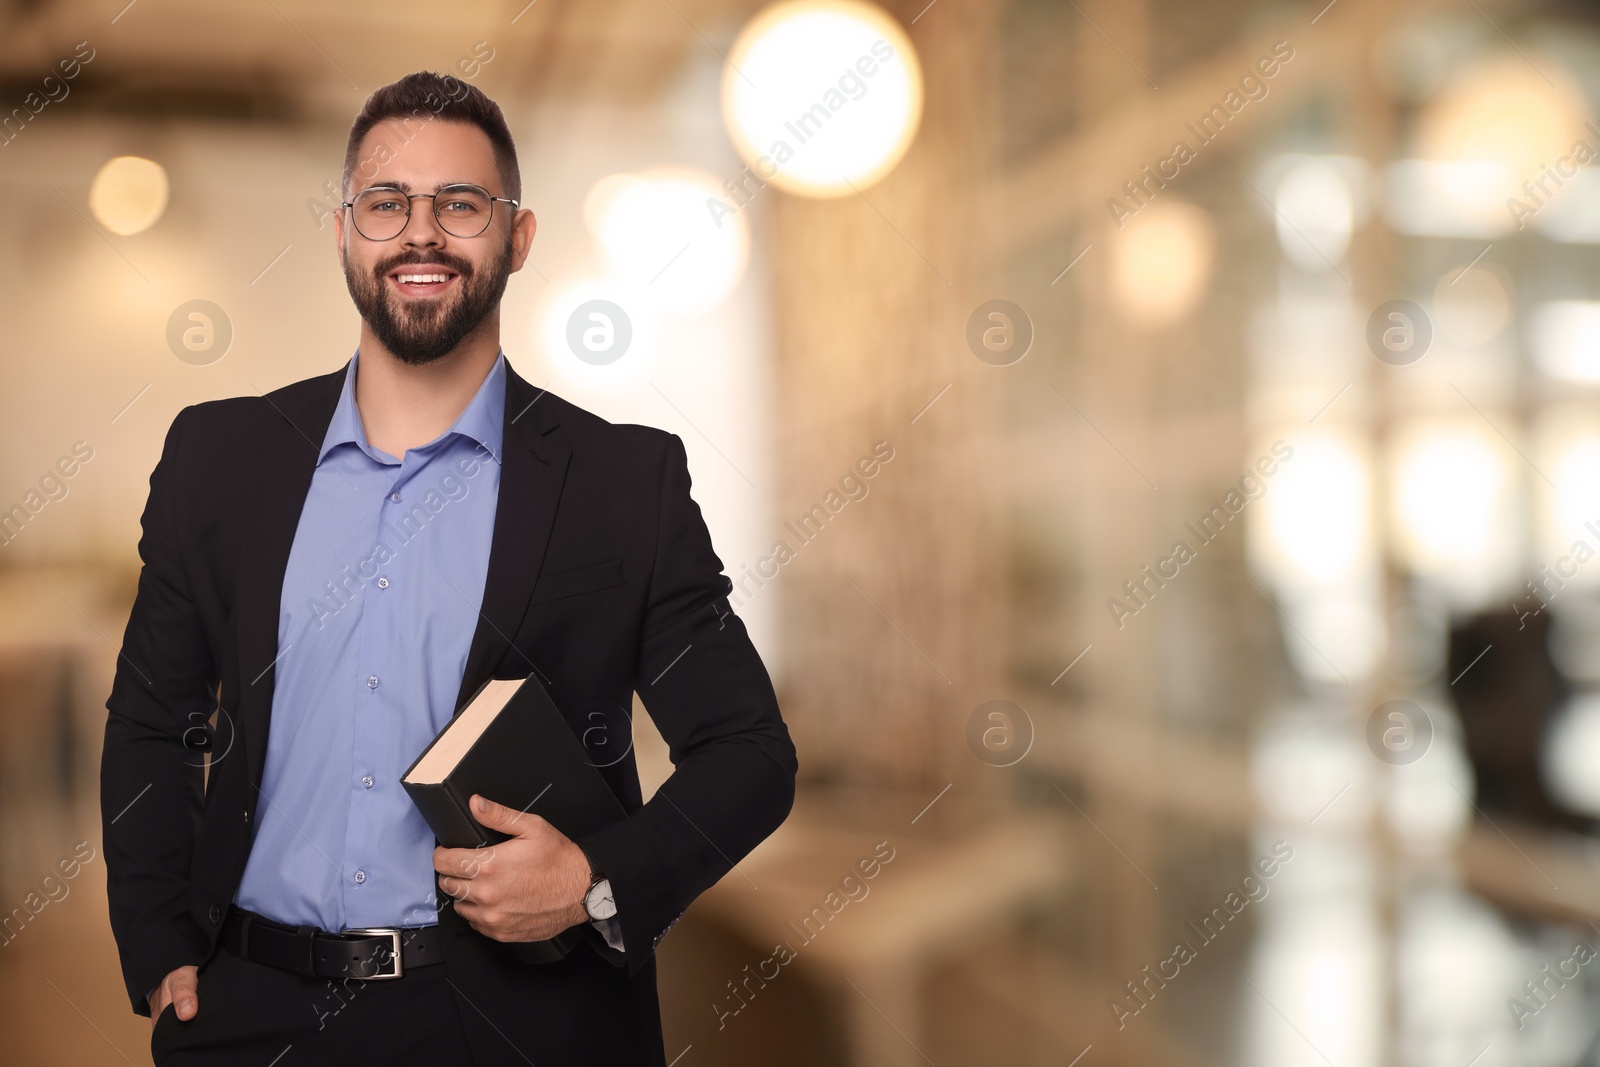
pixel 611 930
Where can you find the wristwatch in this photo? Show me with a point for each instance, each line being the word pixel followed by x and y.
pixel 598 901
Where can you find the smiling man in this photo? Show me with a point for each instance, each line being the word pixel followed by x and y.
pixel 330 570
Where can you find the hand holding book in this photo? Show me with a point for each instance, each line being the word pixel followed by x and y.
pixel 510 745
pixel 529 887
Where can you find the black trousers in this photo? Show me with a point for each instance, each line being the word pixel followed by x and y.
pixel 262 1016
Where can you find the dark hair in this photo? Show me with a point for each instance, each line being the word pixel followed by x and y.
pixel 424 96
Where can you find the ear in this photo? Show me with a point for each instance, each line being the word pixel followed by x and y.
pixel 523 226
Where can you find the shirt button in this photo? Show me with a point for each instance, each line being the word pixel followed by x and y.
pixel 396 497
pixel 383 583
pixel 361 876
pixel 372 682
pixel 366 780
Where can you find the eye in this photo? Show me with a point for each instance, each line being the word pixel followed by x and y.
pixel 463 203
pixel 382 204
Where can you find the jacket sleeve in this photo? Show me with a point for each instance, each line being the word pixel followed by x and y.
pixel 710 696
pixel 151 785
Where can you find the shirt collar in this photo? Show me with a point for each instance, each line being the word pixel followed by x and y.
pixel 483 419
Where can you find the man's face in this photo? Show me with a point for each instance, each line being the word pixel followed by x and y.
pixel 421 321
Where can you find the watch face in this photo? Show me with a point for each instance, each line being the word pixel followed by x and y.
pixel 599 903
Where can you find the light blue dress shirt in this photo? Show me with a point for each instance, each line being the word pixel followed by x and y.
pixel 380 601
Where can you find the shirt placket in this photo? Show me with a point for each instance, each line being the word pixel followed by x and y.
pixel 376 692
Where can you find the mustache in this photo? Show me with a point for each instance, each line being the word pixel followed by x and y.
pixel 456 263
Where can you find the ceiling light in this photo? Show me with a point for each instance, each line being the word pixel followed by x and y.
pixel 822 97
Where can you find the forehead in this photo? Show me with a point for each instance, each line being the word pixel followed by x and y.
pixel 425 153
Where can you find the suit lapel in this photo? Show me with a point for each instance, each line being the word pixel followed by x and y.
pixel 532 472
pixel 285 461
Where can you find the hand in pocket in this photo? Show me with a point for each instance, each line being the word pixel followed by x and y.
pixel 181 989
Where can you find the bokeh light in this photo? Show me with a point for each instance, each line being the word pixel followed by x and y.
pixel 1452 497
pixel 1571 755
pixel 822 97
pixel 657 234
pixel 1498 123
pixel 129 194
pixel 1161 262
pixel 1565 338
pixel 1568 449
pixel 1313 529
pixel 1315 213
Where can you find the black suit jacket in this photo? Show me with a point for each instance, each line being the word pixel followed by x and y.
pixel 601 576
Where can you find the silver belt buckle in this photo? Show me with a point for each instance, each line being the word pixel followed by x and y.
pixel 394 936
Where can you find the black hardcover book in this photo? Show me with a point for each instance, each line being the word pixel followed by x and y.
pixel 511 744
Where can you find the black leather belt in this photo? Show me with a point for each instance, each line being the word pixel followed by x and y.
pixel 371 954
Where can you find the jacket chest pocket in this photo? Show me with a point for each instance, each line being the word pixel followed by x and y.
pixel 578 580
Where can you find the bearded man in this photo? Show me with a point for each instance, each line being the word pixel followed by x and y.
pixel 329 571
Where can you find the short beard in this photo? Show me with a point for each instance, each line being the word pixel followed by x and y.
pixel 424 332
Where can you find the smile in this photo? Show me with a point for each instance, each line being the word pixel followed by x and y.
pixel 422 281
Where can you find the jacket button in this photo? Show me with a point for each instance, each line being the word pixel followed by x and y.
pixel 215 915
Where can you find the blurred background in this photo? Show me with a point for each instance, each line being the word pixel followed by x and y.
pixel 1156 445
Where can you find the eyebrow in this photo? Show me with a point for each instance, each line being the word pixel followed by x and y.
pixel 405 187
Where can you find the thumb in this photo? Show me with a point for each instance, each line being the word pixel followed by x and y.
pixel 499 817
pixel 186 992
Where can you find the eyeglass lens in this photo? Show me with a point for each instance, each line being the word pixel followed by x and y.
pixel 462 211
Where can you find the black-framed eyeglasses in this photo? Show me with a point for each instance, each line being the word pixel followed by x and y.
pixel 381 212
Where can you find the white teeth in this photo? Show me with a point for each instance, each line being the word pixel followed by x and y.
pixel 422 277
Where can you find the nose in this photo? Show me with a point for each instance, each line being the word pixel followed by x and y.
pixel 422 228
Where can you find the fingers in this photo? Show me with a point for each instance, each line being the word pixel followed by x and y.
pixel 486 920
pixel 506 820
pixel 495 816
pixel 459 890
pixel 463 863
pixel 458 867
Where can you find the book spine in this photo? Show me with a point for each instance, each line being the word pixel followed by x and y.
pixel 446 815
